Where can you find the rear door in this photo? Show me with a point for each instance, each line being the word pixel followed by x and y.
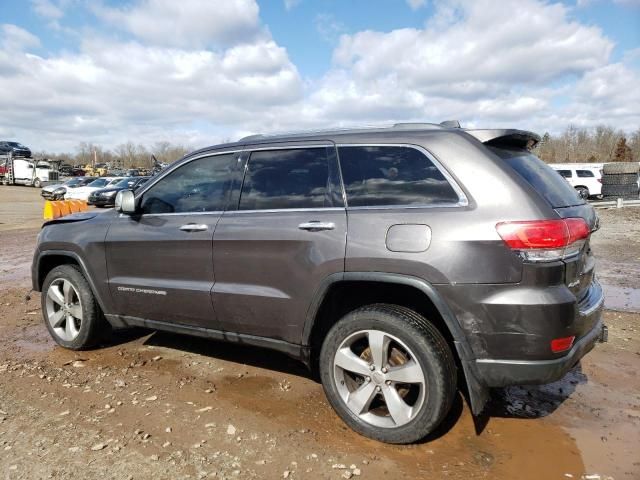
pixel 160 262
pixel 286 236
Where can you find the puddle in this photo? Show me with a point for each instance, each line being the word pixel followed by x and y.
pixel 621 298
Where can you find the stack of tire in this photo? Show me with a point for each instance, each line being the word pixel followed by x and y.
pixel 621 180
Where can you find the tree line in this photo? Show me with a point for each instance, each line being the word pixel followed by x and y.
pixel 126 155
pixel 601 144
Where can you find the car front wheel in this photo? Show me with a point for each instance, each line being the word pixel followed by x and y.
pixel 70 310
pixel 388 373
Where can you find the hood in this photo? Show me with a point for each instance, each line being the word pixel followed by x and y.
pixel 107 190
pixel 51 188
pixel 74 217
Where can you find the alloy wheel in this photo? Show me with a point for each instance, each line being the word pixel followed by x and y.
pixel 379 378
pixel 64 309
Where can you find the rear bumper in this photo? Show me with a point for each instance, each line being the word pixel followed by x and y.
pixel 501 373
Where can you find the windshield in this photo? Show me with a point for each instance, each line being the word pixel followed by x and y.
pixel 73 182
pixel 126 183
pixel 100 182
pixel 16 144
pixel 544 179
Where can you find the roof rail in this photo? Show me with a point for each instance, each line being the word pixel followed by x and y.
pixel 415 126
pixel 252 137
pixel 450 124
pixel 398 126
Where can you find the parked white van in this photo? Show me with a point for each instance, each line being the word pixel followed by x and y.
pixel 586 178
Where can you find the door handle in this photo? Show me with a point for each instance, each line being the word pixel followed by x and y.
pixel 194 227
pixel 315 226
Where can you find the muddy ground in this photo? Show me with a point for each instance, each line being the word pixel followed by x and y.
pixel 159 405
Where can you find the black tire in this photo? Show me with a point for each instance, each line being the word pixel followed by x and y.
pixel 620 167
pixel 583 192
pixel 424 342
pixel 620 190
pixel 37 183
pixel 620 179
pixel 93 327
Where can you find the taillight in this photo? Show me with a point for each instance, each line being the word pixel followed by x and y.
pixel 562 344
pixel 545 240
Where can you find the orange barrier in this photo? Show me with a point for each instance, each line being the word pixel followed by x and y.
pixel 65 209
pixel 59 208
pixel 75 205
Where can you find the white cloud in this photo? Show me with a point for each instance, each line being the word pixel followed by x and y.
pixel 291 4
pixel 526 64
pixel 46 8
pixel 187 23
pixel 16 39
pixel 482 62
pixel 158 93
pixel 329 27
pixel 416 4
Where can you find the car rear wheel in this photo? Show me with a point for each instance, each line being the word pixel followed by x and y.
pixel 388 373
pixel 583 192
pixel 70 310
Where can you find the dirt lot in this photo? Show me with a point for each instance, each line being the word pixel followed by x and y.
pixel 159 405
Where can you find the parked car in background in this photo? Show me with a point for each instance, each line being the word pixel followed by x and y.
pixel 133 172
pixel 15 148
pixel 585 178
pixel 393 261
pixel 82 193
pixel 71 171
pixel 106 196
pixel 58 191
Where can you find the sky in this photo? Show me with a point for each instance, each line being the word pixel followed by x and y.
pixel 200 72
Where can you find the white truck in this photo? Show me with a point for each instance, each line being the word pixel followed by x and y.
pixel 586 178
pixel 27 171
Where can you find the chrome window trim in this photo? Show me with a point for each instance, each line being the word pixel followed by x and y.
pixel 216 212
pixel 463 201
pixel 290 147
pixel 282 210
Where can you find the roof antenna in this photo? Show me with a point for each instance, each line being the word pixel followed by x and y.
pixel 450 124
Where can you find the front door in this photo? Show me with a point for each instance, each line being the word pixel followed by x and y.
pixel 160 261
pixel 287 234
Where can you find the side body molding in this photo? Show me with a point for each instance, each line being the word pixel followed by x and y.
pixel 478 392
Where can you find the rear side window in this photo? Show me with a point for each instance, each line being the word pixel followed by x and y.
pixel 198 186
pixel 585 173
pixel 564 173
pixel 388 175
pixel 540 176
pixel 280 179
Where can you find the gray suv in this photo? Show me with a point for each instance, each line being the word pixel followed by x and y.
pixel 400 263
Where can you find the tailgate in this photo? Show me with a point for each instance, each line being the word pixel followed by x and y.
pixel 580 270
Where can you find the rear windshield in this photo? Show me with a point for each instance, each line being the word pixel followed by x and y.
pixel 540 176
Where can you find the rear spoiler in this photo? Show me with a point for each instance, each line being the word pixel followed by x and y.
pixel 505 137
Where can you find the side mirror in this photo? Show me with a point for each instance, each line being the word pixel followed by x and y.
pixel 125 202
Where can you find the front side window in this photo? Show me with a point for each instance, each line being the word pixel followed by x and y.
pixel 585 173
pixel 390 175
pixel 198 186
pixel 277 179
